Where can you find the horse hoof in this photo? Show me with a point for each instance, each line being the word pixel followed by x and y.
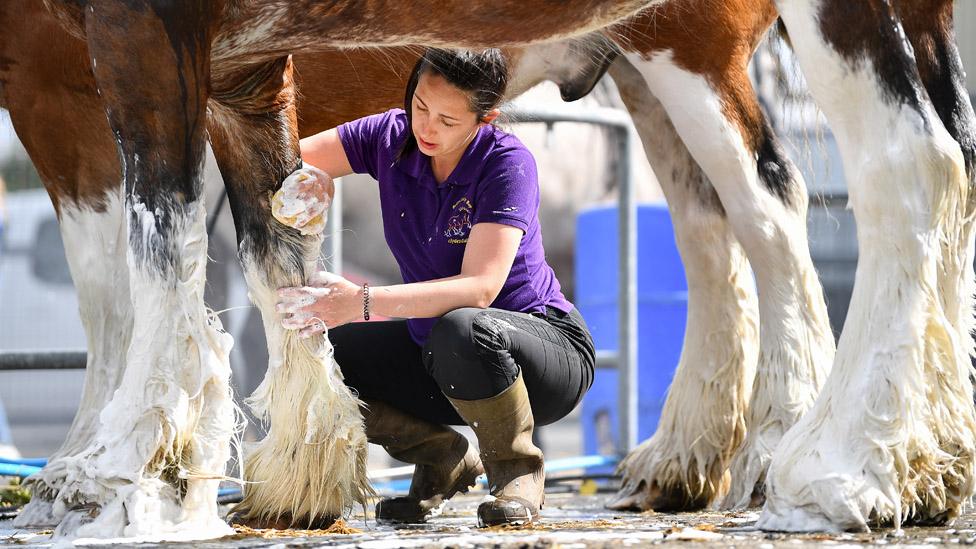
pixel 654 498
pixel 75 519
pixel 282 522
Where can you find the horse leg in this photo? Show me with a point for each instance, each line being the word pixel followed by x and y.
pixel 163 440
pixel 94 243
pixel 85 186
pixel 891 438
pixel 710 101
pixel 797 344
pixel 929 26
pixel 683 466
pixel 311 468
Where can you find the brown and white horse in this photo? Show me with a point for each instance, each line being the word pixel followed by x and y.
pixel 71 143
pixel 759 201
pixel 890 438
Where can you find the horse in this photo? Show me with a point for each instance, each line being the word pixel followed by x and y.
pixel 941 66
pixel 880 431
pixel 81 171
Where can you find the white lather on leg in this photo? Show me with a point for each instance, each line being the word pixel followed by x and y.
pixel 312 464
pixel 168 426
pixel 95 245
pixel 892 436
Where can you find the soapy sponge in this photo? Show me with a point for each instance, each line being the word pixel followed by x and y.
pixel 303 200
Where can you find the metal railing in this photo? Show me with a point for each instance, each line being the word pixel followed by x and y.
pixel 625 358
pixel 42 360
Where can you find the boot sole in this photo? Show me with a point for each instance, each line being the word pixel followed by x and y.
pixel 465 483
pixel 500 512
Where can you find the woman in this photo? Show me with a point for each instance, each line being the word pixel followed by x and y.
pixel 489 340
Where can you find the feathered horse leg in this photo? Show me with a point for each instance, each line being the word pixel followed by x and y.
pixel 311 467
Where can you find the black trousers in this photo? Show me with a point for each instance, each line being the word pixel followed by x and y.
pixel 471 354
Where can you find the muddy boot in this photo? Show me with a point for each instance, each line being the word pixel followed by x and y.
pixel 445 463
pixel 516 473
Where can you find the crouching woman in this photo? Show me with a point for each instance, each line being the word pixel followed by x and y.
pixel 486 338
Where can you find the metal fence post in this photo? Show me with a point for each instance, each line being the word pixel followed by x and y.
pixel 332 246
pixel 627 371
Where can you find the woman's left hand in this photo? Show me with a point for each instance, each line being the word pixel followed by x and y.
pixel 328 301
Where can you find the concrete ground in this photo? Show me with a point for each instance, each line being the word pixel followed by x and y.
pixel 569 520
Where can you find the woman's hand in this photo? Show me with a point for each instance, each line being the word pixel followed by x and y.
pixel 328 301
pixel 303 199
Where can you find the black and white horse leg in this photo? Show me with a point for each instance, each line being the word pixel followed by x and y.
pixel 891 438
pixel 683 466
pixel 929 27
pixel 163 441
pixel 311 467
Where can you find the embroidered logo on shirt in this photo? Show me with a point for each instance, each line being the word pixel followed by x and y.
pixel 459 225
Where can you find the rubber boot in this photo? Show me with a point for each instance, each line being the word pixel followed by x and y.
pixel 445 463
pixel 516 471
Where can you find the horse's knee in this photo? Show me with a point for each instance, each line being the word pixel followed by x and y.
pixel 911 182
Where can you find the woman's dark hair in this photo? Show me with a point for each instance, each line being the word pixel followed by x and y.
pixel 482 75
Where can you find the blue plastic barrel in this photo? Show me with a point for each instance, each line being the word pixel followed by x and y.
pixel 662 309
pixel 6 437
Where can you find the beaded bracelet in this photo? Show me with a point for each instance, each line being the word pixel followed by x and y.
pixel 365 300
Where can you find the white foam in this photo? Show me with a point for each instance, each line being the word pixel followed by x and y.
pixel 95 246
pixel 172 414
pixel 312 463
pixel 303 200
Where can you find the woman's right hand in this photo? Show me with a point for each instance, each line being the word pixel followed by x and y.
pixel 303 200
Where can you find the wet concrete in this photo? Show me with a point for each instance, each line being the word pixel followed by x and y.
pixel 568 521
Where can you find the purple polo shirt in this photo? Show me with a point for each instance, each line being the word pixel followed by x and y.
pixel 427 225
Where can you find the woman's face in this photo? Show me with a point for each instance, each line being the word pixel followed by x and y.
pixel 442 120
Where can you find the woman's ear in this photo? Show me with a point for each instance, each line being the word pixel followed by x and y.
pixel 491 116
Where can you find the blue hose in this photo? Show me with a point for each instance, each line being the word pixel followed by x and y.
pixel 228 492
pixel 16 470
pixel 33 462
pixel 552 466
pixel 580 462
pixel 26 467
